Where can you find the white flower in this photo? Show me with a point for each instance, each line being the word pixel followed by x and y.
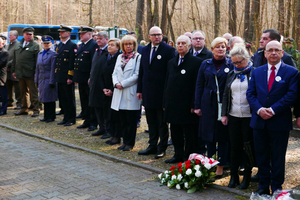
pixel 197 167
pixel 173 177
pixel 159 175
pixel 178 187
pixel 207 166
pixel 162 180
pixel 166 172
pixel 186 185
pixel 167 175
pixel 169 184
pixel 188 172
pixel 179 177
pixel 198 174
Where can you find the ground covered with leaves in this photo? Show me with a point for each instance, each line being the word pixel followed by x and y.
pixel 82 137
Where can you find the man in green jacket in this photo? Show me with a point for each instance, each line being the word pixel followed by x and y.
pixel 23 68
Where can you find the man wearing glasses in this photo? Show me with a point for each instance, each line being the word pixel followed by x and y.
pixel 152 74
pixel 198 46
pixel 271 94
pixel 268 35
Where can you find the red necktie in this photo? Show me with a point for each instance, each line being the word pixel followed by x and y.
pixel 272 77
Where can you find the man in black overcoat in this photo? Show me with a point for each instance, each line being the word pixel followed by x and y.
pixel 96 94
pixel 179 100
pixel 64 72
pixel 3 91
pixel 152 75
pixel 198 46
pixel 82 69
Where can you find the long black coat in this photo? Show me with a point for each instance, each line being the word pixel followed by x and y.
pixel 180 90
pixel 152 76
pixel 3 66
pixel 96 92
pixel 206 100
pixel 65 61
pixel 11 48
pixel 204 54
pixel 83 61
pixel 107 70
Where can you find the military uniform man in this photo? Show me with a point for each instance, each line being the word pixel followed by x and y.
pixel 64 71
pixel 82 69
pixel 23 68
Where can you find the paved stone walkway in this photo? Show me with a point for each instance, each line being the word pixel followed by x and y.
pixel 31 168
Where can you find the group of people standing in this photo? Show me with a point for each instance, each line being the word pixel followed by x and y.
pixel 222 101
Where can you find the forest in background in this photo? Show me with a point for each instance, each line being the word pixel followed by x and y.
pixel 246 18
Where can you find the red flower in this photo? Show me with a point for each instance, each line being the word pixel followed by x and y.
pixel 172 168
pixel 187 165
pixel 197 162
pixel 180 170
pixel 172 173
pixel 179 165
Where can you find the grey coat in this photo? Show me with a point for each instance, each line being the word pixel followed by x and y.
pixel 11 48
pixel 45 75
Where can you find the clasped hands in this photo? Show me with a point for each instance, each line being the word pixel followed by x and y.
pixel 107 92
pixel 265 113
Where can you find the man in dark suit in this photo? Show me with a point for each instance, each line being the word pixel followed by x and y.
pixel 179 100
pixel 269 35
pixel 96 98
pixel 64 72
pixel 198 46
pixel 271 94
pixel 152 75
pixel 82 69
pixel 3 66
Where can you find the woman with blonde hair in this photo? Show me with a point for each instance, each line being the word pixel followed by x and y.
pixel 124 98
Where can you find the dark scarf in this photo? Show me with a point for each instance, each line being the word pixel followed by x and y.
pixel 126 57
pixel 219 63
pixel 240 73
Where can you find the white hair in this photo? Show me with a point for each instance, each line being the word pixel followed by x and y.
pixel 185 38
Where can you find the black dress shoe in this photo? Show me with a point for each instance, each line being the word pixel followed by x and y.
pixel 160 154
pixel 69 123
pixel 113 143
pixel 2 113
pixel 127 148
pixel 263 191
pixel 42 120
pixel 83 126
pixel 105 136
pixel 122 147
pixel 62 123
pixel 49 120
pixel 174 160
pixel 99 132
pixel 218 177
pixel 17 108
pixel 59 113
pixel 170 142
pixel 92 128
pixel 35 115
pixel 79 116
pixel 148 151
pixel 21 113
pixel 255 178
pixel 146 130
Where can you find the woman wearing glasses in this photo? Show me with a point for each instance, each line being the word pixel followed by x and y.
pixel 236 114
pixel 124 98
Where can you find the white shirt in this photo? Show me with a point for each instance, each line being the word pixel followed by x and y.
pixel 66 41
pixel 151 52
pixel 239 104
pixel 194 51
pixel 270 70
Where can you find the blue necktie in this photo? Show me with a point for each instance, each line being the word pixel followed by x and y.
pixel 153 53
pixel 196 53
pixel 180 60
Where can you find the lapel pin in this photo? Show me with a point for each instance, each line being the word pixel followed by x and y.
pixel 158 57
pixel 183 71
pixel 226 70
pixel 278 78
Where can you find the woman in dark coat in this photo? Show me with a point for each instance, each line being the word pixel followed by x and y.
pixel 236 114
pixel 206 101
pixel 111 117
pixel 45 78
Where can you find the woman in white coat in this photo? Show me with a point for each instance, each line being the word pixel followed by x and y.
pixel 124 98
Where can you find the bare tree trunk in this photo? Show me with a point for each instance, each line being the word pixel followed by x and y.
pixel 217 17
pixel 164 18
pixel 170 20
pixel 254 19
pixel 149 14
pixel 288 21
pixel 139 18
pixel 294 29
pixel 193 16
pixel 199 17
pixel 156 13
pixel 91 13
pixel 281 16
pixel 247 21
pixel 298 23
pixel 232 17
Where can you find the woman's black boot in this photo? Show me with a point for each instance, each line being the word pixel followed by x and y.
pixel 234 181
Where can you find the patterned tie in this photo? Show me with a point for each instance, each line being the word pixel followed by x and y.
pixel 196 53
pixel 271 78
pixel 180 60
pixel 99 52
pixel 153 53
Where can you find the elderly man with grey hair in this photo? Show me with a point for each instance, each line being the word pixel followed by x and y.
pixel 198 45
pixel 234 40
pixel 12 84
pixel 178 103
